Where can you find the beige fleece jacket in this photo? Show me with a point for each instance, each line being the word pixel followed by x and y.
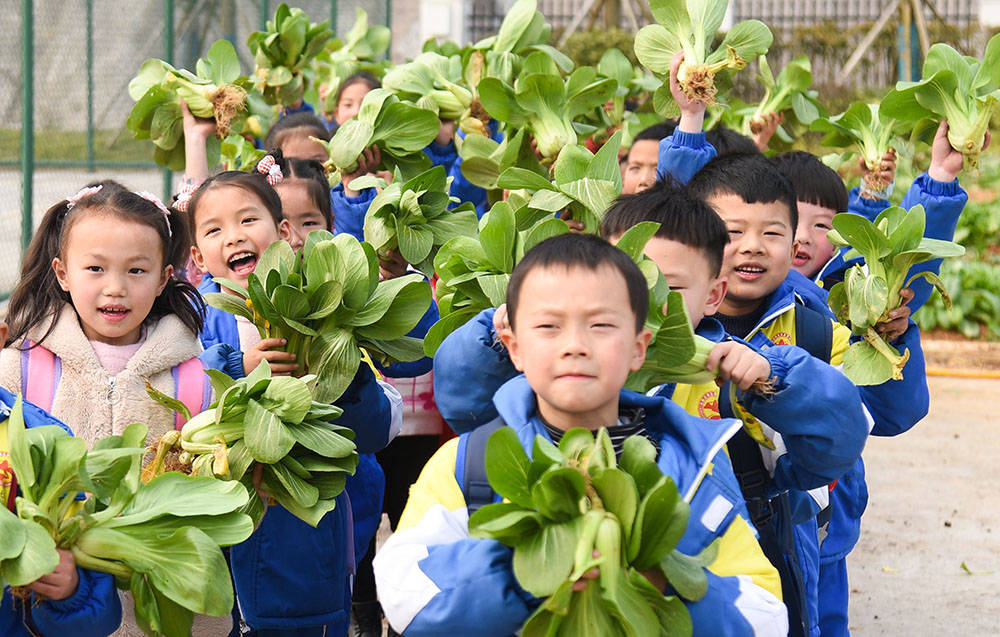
pixel 93 403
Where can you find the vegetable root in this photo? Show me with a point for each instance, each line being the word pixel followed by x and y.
pixel 227 102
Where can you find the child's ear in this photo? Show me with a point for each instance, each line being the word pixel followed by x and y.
pixel 167 273
pixel 3 332
pixel 716 295
pixel 199 259
pixel 60 269
pixel 641 345
pixel 510 342
pixel 795 248
pixel 285 230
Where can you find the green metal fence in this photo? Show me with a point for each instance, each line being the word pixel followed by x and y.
pixel 64 100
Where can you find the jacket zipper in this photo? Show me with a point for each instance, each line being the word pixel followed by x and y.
pixel 113 395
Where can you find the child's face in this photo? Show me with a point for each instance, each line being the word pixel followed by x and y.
pixel 814 248
pixel 299 209
pixel 687 271
pixel 760 250
pixel 350 101
pixel 302 146
pixel 640 167
pixel 574 338
pixel 232 229
pixel 112 282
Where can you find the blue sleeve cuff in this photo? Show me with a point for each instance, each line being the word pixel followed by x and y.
pixel 688 140
pixel 938 188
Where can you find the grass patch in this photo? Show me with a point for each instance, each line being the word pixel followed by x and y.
pixel 72 145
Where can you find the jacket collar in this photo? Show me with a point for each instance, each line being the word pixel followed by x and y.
pixel 700 438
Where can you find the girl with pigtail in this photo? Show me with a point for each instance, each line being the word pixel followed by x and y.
pixel 96 313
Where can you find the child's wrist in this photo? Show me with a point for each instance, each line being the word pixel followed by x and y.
pixel 939 173
pixel 691 121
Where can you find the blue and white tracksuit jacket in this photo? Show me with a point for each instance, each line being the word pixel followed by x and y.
pixel 289 574
pixel 94 610
pixel 433 579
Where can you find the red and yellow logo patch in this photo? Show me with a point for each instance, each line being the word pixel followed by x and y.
pixel 708 406
pixel 782 338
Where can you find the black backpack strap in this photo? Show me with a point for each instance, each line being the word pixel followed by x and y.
pixel 813 332
pixel 475 486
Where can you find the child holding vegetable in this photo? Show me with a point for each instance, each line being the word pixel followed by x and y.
pixel 70 600
pixel 577 306
pixel 290 578
pixel 97 312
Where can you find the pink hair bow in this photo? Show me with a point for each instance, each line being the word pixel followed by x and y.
pixel 156 201
pixel 72 200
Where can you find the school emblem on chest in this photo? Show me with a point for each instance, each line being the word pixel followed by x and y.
pixel 782 338
pixel 708 406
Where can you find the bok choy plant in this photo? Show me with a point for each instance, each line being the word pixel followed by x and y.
pixel 690 26
pixel 891 245
pixel 283 51
pixel 566 502
pixel 328 303
pixel 160 540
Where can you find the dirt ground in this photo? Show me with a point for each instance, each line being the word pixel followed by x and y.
pixel 933 506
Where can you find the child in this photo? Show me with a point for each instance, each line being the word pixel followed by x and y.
pixel 70 600
pixel 305 198
pixel 639 165
pixel 97 312
pixel 577 306
pixel 758 206
pixel 290 578
pixel 292 135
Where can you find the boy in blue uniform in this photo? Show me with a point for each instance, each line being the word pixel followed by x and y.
pixel 577 307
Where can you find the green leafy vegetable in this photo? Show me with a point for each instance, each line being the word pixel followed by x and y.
pixel 400 130
pixel 546 104
pixel 584 184
pixel 216 91
pixel 690 26
pixel 433 82
pixel 358 51
pixel 413 218
pixel 473 272
pixel 958 88
pixel 567 502
pixel 891 246
pixel 276 422
pixel 160 540
pixel 789 91
pixel 283 51
pixel 328 304
pixel 868 130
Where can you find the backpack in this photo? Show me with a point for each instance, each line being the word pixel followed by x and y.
pixel 41 370
pixel 772 516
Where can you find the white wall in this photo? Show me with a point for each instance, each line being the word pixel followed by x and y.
pixel 989 13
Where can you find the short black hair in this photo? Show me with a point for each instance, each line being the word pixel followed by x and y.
pixel 586 251
pixel 656 132
pixel 729 142
pixel 752 178
pixel 312 173
pixel 814 182
pixel 682 218
pixel 303 123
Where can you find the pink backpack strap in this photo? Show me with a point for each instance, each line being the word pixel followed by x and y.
pixel 192 388
pixel 40 374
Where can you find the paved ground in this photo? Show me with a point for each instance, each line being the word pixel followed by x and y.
pixel 934 504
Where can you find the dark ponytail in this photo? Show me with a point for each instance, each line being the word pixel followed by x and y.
pixel 38 296
pixel 313 173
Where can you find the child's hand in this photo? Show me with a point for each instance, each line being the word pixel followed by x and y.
pixel 280 362
pixel 197 130
pixel 886 174
pixel 899 319
pixel 196 127
pixel 946 162
pixel 445 133
pixel 574 225
pixel 60 583
pixel 692 118
pixel 592 574
pixel 392 265
pixel 771 122
pixel 367 161
pixel 738 363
